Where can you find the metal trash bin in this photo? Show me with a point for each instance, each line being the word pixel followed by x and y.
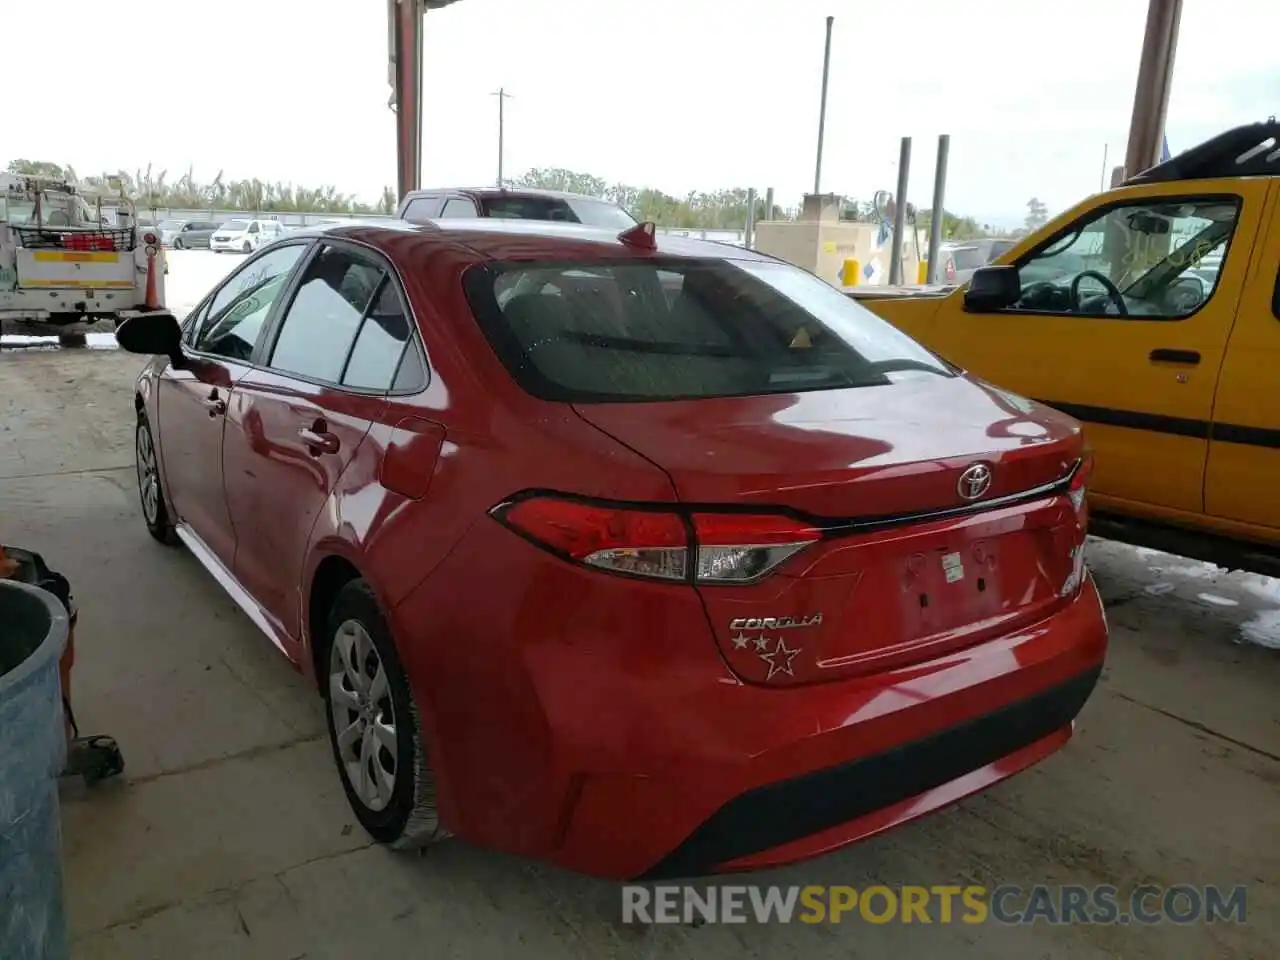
pixel 33 748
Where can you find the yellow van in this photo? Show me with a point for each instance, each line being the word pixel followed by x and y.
pixel 1151 313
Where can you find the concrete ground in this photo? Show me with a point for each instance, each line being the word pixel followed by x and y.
pixel 230 837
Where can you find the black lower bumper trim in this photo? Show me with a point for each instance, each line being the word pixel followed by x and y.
pixel 780 813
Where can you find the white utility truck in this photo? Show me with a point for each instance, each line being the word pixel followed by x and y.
pixel 63 261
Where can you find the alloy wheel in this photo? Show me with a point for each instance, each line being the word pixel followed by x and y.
pixel 148 475
pixel 364 720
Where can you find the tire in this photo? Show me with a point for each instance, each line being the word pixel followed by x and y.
pixel 396 806
pixel 248 248
pixel 150 490
pixel 177 243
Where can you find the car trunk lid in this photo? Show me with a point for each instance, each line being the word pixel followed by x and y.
pixel 937 505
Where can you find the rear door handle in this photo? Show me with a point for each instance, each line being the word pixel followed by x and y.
pixel 1190 357
pixel 217 406
pixel 318 442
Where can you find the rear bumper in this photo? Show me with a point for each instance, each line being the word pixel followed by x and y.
pixel 590 720
pixel 823 810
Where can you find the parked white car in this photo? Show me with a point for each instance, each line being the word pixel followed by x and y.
pixel 244 236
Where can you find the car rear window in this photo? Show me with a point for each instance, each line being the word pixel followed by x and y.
pixel 671 329
pixel 591 213
pixel 968 258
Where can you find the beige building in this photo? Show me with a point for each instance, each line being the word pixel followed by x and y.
pixel 839 252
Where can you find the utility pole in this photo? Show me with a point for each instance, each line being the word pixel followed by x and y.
pixel 503 97
pixel 822 114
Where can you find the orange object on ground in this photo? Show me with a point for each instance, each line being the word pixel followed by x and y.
pixel 152 300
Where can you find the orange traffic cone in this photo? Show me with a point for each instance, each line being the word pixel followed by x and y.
pixel 152 299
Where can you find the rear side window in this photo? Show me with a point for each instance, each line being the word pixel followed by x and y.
pixel 324 317
pixel 683 329
pixel 381 343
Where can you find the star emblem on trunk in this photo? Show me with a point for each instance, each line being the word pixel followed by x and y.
pixel 780 659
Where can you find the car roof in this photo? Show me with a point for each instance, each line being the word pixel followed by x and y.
pixel 482 192
pixel 523 239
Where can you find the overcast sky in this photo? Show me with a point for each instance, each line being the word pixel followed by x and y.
pixel 677 94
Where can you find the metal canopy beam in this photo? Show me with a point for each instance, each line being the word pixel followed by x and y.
pixel 404 23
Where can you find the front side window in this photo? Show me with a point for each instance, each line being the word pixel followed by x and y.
pixel 324 317
pixel 1158 259
pixel 238 311
pixel 683 329
pixel 422 208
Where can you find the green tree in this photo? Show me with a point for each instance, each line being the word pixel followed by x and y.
pixel 566 181
pixel 1037 214
pixel 724 209
pixel 36 168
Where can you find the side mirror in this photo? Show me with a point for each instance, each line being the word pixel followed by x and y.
pixel 156 334
pixel 993 288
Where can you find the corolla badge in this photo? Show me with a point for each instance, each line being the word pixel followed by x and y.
pixel 974 482
pixel 775 653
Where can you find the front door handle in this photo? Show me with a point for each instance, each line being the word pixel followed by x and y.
pixel 217 406
pixel 319 441
pixel 1189 357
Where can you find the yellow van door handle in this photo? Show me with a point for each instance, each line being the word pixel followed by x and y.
pixel 1189 357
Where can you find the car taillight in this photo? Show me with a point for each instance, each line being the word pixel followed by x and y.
pixel 1077 493
pixel 1079 487
pixel 657 543
pixel 740 548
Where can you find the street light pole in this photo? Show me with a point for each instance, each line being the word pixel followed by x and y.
pixel 822 114
pixel 503 97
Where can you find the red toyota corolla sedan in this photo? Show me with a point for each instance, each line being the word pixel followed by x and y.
pixel 649 557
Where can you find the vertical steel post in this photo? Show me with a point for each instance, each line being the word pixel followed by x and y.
pixel 768 204
pixel 1155 78
pixel 822 112
pixel 900 213
pixel 939 210
pixel 407 80
pixel 749 227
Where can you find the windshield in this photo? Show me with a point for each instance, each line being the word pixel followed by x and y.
pixel 170 224
pixel 234 226
pixel 591 213
pixel 683 329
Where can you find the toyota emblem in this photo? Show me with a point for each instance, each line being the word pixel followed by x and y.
pixel 974 482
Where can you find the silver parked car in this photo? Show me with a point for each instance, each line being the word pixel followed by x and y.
pixel 960 260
